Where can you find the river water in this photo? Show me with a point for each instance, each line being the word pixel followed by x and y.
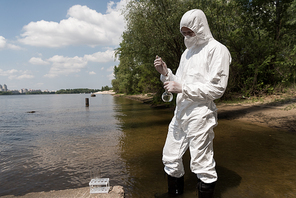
pixel 56 147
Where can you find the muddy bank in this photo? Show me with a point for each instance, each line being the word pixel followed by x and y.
pixel 144 98
pixel 280 115
pixel 276 111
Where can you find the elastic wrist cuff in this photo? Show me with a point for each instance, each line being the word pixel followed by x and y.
pixel 167 73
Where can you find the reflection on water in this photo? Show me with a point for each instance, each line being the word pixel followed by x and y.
pixel 264 159
pixel 252 161
pixel 144 132
pixel 56 147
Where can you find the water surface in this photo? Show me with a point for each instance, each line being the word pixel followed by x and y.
pixel 57 146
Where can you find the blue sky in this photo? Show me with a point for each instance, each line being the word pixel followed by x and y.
pixel 54 44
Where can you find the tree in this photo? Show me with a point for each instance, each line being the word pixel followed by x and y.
pixel 262 26
pixel 260 35
pixel 153 29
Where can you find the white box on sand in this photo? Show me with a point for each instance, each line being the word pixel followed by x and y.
pixel 99 185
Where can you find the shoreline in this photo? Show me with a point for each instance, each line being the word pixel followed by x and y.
pixel 144 98
pixel 279 116
pixel 111 92
pixel 274 111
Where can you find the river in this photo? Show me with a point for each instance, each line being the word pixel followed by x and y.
pixel 57 146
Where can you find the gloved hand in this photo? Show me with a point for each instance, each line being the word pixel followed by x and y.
pixel 160 66
pixel 173 87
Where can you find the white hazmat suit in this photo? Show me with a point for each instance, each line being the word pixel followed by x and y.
pixel 203 74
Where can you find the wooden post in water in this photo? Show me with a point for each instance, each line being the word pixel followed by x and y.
pixel 86 102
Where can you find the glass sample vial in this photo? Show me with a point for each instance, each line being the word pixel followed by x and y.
pixel 167 96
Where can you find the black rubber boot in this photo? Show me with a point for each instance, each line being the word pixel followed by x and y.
pixel 205 190
pixel 175 188
pixel 175 185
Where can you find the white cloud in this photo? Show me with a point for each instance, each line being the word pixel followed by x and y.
pixel 110 68
pixel 13 47
pixel 61 65
pixel 8 72
pixel 16 74
pixel 92 73
pixel 111 76
pixel 24 76
pixel 4 44
pixel 38 61
pixel 65 65
pixel 101 57
pixel 83 26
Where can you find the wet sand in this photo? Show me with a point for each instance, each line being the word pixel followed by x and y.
pixel 111 92
pixel 279 115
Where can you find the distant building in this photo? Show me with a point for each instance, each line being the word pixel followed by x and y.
pixel 35 91
pixel 23 91
pixel 4 87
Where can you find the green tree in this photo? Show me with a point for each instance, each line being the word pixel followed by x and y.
pixel 76 91
pixel 260 35
pixel 106 88
pixel 263 31
pixel 153 29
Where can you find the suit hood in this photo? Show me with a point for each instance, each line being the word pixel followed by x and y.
pixel 196 20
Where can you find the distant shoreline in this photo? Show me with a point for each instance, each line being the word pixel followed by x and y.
pixel 111 92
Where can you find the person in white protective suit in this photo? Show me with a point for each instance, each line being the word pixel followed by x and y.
pixel 201 78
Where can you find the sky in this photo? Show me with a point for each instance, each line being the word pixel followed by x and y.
pixel 53 44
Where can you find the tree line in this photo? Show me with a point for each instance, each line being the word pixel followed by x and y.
pixel 76 91
pixel 82 90
pixel 61 91
pixel 27 93
pixel 259 34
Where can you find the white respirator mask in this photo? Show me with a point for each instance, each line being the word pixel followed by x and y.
pixel 190 41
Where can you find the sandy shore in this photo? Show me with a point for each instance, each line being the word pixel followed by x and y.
pixel 275 113
pixel 111 92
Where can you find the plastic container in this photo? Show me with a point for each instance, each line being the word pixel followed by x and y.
pixel 99 185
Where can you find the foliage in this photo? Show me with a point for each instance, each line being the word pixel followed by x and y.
pixel 27 93
pixel 152 30
pixel 106 88
pixel 260 35
pixel 5 93
pixel 261 39
pixel 75 91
